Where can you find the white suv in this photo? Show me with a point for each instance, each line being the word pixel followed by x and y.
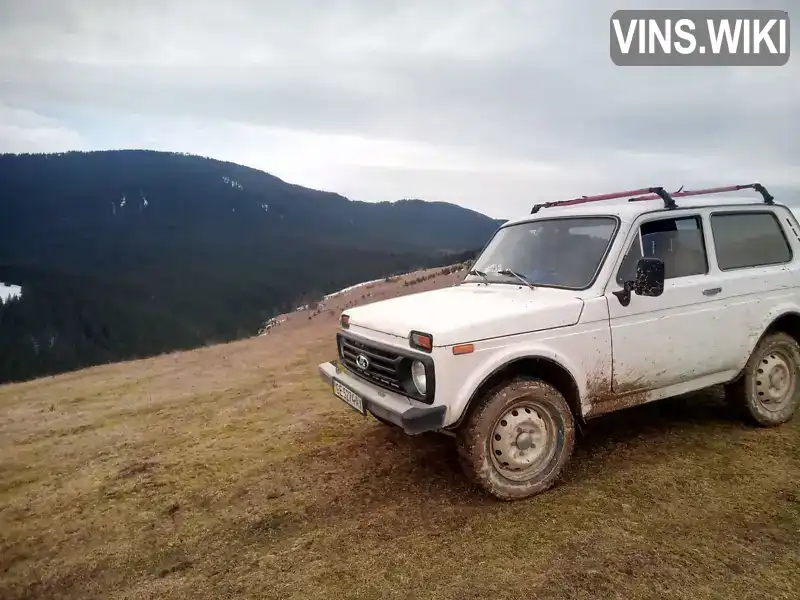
pixel 580 309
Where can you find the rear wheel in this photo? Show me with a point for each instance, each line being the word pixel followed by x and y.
pixel 768 393
pixel 517 441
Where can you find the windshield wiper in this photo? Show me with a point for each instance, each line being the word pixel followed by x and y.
pixel 480 274
pixel 509 272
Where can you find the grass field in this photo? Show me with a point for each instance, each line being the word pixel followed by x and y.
pixel 232 472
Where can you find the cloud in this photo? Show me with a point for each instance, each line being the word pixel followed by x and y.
pixel 490 105
pixel 26 131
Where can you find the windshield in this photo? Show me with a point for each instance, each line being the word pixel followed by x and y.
pixel 562 252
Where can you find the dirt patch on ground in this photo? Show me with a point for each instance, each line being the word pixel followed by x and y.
pixel 232 472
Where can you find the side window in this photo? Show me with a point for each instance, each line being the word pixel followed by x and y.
pixel 749 240
pixel 677 241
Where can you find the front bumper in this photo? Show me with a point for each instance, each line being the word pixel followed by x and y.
pixel 395 408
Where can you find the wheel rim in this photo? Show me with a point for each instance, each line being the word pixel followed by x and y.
pixel 775 380
pixel 523 440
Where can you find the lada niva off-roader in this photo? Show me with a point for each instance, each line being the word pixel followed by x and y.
pixel 580 309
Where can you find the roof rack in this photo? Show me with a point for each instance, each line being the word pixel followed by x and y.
pixel 768 198
pixel 658 192
pixel 654 193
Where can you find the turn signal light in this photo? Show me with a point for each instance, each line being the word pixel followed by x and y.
pixel 345 321
pixel 463 349
pixel 421 341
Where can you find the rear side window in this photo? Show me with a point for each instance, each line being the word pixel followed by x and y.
pixel 749 240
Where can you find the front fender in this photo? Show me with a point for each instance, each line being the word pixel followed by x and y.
pixel 490 360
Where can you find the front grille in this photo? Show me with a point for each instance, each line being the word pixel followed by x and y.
pixel 384 366
pixel 388 368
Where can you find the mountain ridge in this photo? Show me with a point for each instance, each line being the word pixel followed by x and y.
pixel 126 253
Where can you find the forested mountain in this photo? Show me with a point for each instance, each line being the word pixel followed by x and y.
pixel 123 254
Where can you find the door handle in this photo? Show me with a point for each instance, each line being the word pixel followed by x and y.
pixel 712 291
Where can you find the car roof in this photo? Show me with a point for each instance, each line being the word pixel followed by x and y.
pixel 628 211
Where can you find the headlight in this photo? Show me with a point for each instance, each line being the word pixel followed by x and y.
pixel 418 376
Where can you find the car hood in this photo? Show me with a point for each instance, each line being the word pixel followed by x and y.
pixel 470 312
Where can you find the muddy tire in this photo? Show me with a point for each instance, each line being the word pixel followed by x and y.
pixel 768 392
pixel 518 439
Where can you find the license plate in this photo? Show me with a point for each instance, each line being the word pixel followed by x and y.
pixel 350 397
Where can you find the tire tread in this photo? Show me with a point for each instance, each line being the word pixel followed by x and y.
pixel 737 394
pixel 472 463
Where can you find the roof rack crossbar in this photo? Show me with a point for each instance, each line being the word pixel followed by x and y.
pixel 656 192
pixel 768 198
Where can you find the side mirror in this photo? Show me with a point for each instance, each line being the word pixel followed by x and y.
pixel 649 277
pixel 649 281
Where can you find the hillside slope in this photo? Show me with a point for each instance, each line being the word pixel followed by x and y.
pixel 125 254
pixel 232 472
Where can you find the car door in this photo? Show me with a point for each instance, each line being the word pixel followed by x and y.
pixel 672 338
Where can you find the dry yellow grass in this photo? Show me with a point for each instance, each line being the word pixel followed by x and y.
pixel 232 472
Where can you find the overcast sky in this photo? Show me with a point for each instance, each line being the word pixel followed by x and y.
pixel 489 104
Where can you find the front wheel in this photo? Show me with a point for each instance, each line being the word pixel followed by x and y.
pixel 517 441
pixel 768 393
